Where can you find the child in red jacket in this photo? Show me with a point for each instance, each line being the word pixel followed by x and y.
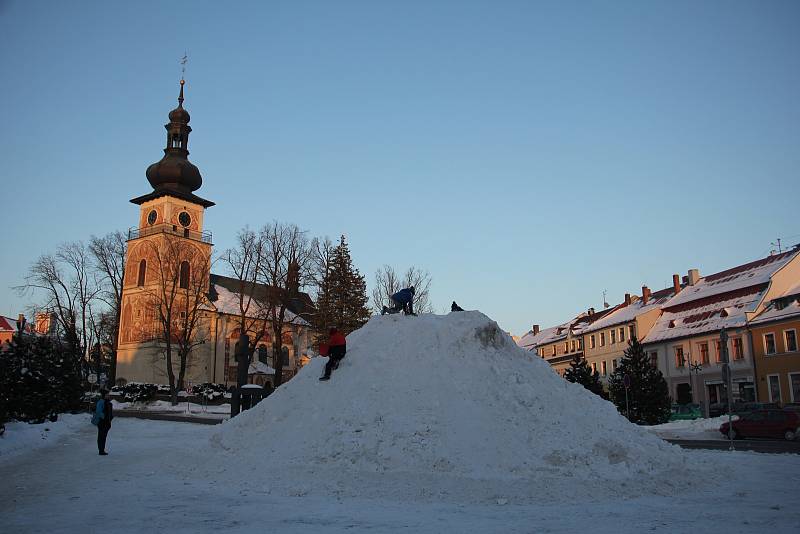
pixel 337 348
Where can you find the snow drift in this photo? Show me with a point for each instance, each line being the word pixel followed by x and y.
pixel 444 407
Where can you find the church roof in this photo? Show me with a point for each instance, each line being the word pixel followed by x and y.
pixel 224 294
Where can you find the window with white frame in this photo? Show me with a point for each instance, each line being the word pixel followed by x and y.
pixel 573 345
pixel 621 334
pixel 602 339
pixel 614 365
pixel 604 369
pixel 592 342
pixel 774 382
pixel 632 331
pixel 794 386
pixel 790 340
pixel 769 343
pixel 613 336
pixel 718 350
pixel 680 361
pixel 654 359
pixel 594 367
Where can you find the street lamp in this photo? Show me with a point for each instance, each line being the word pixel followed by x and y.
pixel 696 368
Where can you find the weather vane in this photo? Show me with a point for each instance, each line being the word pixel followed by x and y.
pixel 184 60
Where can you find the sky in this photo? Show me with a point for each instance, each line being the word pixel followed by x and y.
pixel 528 155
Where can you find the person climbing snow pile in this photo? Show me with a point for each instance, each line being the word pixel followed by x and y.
pixel 337 348
pixel 403 301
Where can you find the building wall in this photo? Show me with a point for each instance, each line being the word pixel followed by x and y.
pixel 706 385
pixel 605 351
pixel 784 363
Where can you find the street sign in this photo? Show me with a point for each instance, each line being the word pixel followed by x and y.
pixel 189 387
pixel 626 381
pixel 92 378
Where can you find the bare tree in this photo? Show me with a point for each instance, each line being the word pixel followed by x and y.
pixel 286 268
pixel 69 287
pixel 322 252
pixel 245 262
pixel 387 283
pixel 108 254
pixel 182 272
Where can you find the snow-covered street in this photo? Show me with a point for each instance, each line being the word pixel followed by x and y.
pixel 150 480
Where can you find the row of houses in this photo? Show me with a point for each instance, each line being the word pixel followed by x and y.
pixel 757 304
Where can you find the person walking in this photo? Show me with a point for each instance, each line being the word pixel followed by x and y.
pixel 337 348
pixel 403 301
pixel 103 414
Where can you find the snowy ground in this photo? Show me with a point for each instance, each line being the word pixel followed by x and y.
pixel 695 429
pixel 155 477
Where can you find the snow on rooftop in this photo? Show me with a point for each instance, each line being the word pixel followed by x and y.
pixel 625 314
pixel 750 274
pixel 776 312
pixel 710 317
pixel 444 408
pixel 228 302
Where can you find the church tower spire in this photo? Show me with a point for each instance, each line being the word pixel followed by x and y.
pixel 174 174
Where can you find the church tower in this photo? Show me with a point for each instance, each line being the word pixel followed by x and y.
pixel 168 256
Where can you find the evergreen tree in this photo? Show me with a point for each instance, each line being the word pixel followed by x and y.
pixel 580 373
pixel 648 394
pixel 342 295
pixel 39 377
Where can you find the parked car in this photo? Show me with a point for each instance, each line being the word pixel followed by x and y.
pixel 684 412
pixel 764 424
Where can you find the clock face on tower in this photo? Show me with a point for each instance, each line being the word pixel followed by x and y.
pixel 184 219
pixel 151 217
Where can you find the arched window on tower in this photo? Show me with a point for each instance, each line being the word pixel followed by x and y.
pixel 184 280
pixel 176 140
pixel 142 271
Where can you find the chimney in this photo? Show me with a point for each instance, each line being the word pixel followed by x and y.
pixel 694 276
pixel 645 295
pixel 676 283
pixel 535 329
pixel 590 311
pixel 20 323
pixel 627 299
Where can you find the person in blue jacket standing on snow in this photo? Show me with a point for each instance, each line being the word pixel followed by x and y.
pixel 403 301
pixel 103 415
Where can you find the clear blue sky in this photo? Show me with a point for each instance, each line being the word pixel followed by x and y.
pixel 529 155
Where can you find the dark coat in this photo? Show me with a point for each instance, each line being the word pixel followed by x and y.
pixel 404 296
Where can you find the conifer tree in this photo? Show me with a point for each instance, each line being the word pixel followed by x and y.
pixel 580 373
pixel 342 294
pixel 648 398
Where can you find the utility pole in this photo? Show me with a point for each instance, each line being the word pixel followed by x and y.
pixel 726 378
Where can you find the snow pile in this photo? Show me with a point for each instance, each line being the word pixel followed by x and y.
pixel 444 407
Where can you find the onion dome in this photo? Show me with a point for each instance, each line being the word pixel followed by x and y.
pixel 175 172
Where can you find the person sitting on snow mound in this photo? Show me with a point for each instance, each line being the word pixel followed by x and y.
pixel 337 348
pixel 403 301
pixel 455 307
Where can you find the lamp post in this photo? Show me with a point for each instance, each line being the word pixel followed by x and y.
pixel 726 378
pixel 696 368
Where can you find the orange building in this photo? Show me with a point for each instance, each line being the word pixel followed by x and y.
pixel 775 347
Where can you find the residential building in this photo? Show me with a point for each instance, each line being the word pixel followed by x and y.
pixel 685 340
pixel 774 333
pixel 607 338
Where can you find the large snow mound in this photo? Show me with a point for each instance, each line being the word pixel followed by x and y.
pixel 449 407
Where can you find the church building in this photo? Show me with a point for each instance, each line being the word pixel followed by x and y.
pixel 169 289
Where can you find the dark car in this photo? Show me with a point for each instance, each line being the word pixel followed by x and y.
pixel 779 424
